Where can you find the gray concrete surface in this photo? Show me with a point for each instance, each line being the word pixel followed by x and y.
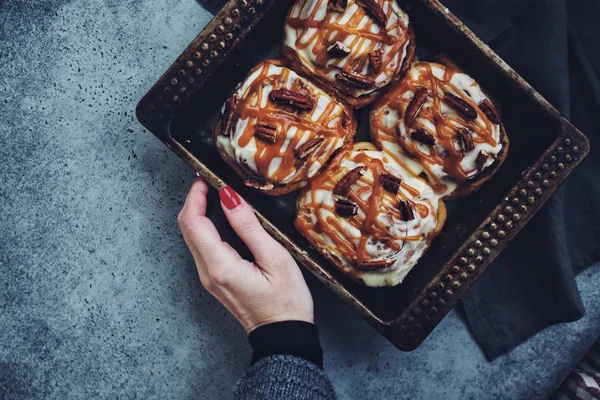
pixel 98 295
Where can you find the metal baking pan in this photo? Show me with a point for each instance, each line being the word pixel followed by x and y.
pixel 182 107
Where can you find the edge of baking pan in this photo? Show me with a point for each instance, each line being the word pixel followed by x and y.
pixel 224 33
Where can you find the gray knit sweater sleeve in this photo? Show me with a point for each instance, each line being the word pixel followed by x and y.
pixel 284 377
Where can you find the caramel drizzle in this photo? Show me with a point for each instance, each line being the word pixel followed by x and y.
pixel 379 202
pixel 446 125
pixel 251 107
pixel 330 30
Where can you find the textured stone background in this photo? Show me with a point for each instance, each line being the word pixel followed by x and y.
pixel 98 295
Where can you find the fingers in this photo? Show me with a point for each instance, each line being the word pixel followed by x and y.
pixel 264 248
pixel 200 234
pixel 197 196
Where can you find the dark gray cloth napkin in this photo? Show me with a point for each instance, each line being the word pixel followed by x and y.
pixel 555 46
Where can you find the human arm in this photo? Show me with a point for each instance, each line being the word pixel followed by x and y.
pixel 264 295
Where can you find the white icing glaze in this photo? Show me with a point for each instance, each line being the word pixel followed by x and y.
pixel 326 117
pixel 410 250
pixel 393 119
pixel 316 10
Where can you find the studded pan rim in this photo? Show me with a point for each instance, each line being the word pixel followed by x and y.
pixel 225 32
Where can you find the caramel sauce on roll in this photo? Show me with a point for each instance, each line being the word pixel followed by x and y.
pixel 397 215
pixel 450 132
pixel 372 51
pixel 281 128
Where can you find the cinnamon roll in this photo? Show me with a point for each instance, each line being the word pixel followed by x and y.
pixel 354 48
pixel 443 119
pixel 278 130
pixel 370 216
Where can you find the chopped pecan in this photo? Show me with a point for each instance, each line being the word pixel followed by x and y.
pixel 376 11
pixel 308 147
pixel 406 210
pixel 465 138
pixel 375 60
pixel 390 183
pixel 374 265
pixel 258 183
pixel 228 115
pixel 338 50
pixel 481 160
pixel 266 133
pixel 355 81
pixel 490 111
pixel 292 99
pixel 415 105
pixel 342 187
pixel 345 208
pixel 460 105
pixel 421 135
pixel 338 5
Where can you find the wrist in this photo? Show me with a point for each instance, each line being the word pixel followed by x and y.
pixel 308 319
pixel 295 338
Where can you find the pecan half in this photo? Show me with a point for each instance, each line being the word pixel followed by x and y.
pixel 345 208
pixel 481 160
pixel 228 115
pixel 308 147
pixel 337 5
pixel 338 50
pixel 266 133
pixel 342 187
pixel 376 11
pixel 465 138
pixel 258 183
pixel 375 60
pixel 490 111
pixel 415 105
pixel 390 183
pixel 460 105
pixel 421 135
pixel 355 81
pixel 374 265
pixel 292 99
pixel 406 210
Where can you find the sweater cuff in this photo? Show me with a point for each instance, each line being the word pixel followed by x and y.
pixel 295 338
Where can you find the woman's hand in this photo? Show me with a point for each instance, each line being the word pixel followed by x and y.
pixel 270 289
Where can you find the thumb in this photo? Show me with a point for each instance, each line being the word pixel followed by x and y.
pixel 263 247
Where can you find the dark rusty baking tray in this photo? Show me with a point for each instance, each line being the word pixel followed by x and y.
pixel 181 109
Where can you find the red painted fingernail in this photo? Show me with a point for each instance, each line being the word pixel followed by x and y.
pixel 229 198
